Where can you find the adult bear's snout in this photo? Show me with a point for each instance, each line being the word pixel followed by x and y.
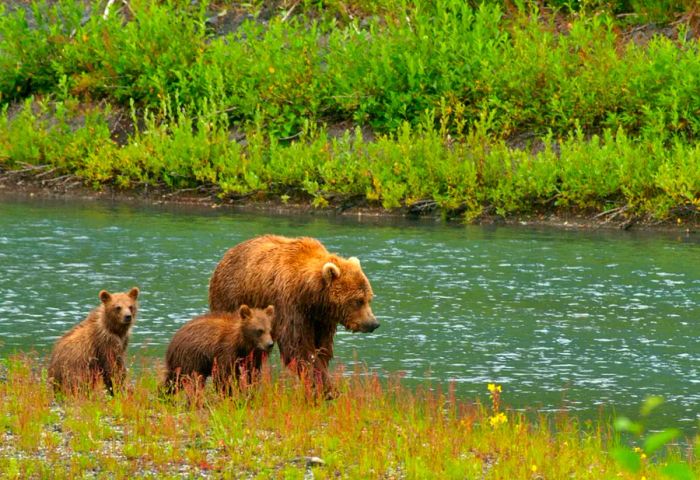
pixel 371 325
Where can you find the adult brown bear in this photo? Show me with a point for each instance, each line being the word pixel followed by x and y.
pixel 312 290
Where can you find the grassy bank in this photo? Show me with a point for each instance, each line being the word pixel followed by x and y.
pixel 373 430
pixel 488 109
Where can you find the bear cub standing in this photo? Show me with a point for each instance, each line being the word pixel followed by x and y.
pixel 95 348
pixel 226 346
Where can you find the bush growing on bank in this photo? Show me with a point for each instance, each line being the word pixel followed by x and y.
pixel 476 175
pixel 444 85
pixel 532 71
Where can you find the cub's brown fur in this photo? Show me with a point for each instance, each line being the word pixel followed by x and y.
pixel 312 290
pixel 95 348
pixel 221 345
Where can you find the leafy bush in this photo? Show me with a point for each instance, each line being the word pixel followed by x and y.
pixel 445 87
pixel 177 149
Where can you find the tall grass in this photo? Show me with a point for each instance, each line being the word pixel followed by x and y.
pixel 374 429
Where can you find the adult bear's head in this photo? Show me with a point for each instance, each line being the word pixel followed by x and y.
pixel 350 294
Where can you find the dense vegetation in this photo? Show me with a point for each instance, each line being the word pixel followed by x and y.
pixel 372 430
pixel 499 107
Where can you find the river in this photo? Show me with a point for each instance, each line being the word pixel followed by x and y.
pixel 563 320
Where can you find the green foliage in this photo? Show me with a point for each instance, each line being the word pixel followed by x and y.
pixel 634 460
pixel 177 148
pixel 532 72
pixel 445 87
pixel 31 41
pixel 627 458
pixel 63 134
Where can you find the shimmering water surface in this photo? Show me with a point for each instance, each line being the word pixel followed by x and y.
pixel 564 320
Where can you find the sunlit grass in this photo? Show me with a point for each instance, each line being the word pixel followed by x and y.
pixel 374 429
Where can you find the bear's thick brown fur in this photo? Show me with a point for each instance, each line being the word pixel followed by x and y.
pixel 312 290
pixel 222 345
pixel 95 348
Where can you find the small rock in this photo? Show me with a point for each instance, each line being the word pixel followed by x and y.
pixel 314 462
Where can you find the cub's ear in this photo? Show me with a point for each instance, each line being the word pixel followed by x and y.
pixel 244 312
pixel 330 272
pixel 105 296
pixel 134 293
pixel 270 310
pixel 354 260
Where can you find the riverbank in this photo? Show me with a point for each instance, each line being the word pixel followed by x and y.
pixel 374 429
pixel 35 183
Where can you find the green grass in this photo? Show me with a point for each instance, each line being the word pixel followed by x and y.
pixel 154 94
pixel 374 429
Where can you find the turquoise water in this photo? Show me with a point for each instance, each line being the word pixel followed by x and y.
pixel 581 321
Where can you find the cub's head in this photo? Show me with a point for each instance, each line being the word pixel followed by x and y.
pixel 119 308
pixel 257 326
pixel 350 294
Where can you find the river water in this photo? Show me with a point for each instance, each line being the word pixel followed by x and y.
pixel 580 321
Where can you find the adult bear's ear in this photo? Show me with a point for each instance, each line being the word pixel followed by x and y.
pixel 105 296
pixel 270 310
pixel 330 272
pixel 244 312
pixel 134 293
pixel 354 260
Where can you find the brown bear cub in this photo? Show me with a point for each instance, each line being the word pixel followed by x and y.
pixel 230 347
pixel 312 290
pixel 95 349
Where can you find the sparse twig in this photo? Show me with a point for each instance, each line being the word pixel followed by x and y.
pixel 292 137
pixel 422 206
pixel 47 172
pixel 612 213
pixel 106 12
pixel 289 12
pixel 59 179
pixel 27 168
pixel 615 211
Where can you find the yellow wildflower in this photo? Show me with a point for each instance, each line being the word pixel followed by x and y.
pixel 494 388
pixel 498 419
pixel 533 468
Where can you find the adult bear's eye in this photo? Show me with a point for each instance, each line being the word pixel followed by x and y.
pixel 359 303
pixel 260 331
pixel 118 308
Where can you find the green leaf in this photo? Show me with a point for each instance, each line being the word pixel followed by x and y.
pixel 624 424
pixel 678 471
pixel 627 458
pixel 658 440
pixel 650 404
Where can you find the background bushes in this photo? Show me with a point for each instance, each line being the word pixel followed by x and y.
pixel 511 107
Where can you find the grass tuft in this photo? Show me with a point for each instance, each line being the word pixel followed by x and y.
pixel 374 429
